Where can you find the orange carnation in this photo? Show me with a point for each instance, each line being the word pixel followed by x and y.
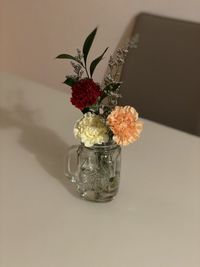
pixel 125 125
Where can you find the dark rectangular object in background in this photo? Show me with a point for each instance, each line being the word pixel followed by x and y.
pixel 161 78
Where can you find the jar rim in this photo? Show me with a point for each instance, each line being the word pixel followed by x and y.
pixel 110 145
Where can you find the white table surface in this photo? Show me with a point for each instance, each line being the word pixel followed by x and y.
pixel 153 222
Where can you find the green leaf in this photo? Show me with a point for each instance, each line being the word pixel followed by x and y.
pixel 104 95
pixel 66 56
pixel 96 62
pixel 112 87
pixel 70 81
pixel 115 86
pixel 85 110
pixel 88 43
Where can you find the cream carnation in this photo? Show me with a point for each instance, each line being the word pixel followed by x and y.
pixel 91 129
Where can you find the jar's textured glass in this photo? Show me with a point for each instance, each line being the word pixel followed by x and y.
pixel 98 172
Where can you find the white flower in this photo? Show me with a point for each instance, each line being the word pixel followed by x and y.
pixel 91 129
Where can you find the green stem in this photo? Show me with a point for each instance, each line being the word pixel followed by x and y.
pixel 86 71
pixel 101 98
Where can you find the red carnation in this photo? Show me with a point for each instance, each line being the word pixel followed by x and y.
pixel 85 93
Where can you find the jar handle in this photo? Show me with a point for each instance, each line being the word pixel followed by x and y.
pixel 68 163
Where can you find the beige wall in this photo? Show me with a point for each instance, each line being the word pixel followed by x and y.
pixel 1 33
pixel 35 31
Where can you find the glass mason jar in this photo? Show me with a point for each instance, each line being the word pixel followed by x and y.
pixel 97 171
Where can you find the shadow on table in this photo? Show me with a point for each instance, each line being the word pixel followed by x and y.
pixel 47 147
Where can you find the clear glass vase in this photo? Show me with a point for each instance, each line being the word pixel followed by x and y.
pixel 97 171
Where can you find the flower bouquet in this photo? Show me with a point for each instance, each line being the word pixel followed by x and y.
pixel 104 126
